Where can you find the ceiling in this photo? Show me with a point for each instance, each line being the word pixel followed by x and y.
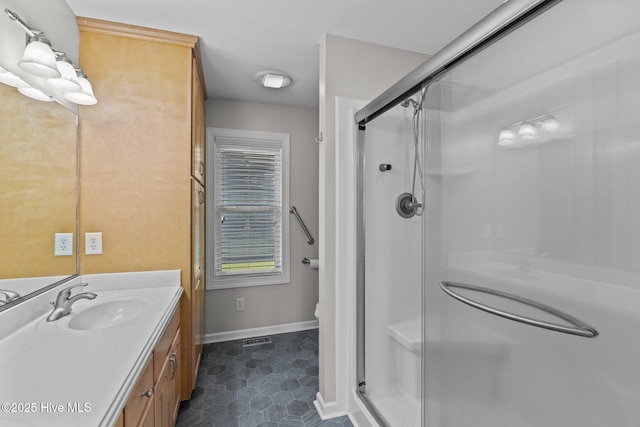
pixel 240 38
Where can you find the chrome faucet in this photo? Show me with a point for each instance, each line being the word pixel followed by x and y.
pixel 8 296
pixel 62 304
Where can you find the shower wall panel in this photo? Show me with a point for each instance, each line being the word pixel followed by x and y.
pixel 392 300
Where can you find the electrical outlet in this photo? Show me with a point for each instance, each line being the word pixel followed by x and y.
pixel 93 243
pixel 239 304
pixel 63 244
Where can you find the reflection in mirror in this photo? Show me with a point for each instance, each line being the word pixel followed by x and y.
pixel 38 166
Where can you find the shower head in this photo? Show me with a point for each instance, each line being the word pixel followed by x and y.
pixel 417 105
pixel 408 101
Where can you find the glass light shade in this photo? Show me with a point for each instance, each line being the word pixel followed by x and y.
pixel 549 124
pixel 507 138
pixel 506 135
pixel 273 81
pixel 39 60
pixel 34 93
pixel 8 78
pixel 68 80
pixel 527 131
pixel 83 97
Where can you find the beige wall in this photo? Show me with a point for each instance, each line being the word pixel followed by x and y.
pixel 37 185
pixel 135 155
pixel 37 152
pixel 354 69
pixel 273 304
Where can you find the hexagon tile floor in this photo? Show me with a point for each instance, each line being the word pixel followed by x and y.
pixel 267 385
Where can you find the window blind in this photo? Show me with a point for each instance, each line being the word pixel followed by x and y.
pixel 248 235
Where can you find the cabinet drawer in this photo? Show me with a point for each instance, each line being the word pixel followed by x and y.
pixel 141 399
pixel 161 352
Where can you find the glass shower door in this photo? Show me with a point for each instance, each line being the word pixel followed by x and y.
pixel 533 165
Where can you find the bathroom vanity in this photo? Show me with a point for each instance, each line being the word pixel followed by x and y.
pixel 113 360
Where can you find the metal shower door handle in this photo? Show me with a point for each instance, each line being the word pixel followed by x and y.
pixel 577 327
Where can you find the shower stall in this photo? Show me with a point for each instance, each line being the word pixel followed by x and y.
pixel 498 226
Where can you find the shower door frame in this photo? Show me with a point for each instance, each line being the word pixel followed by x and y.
pixel 360 278
pixel 506 18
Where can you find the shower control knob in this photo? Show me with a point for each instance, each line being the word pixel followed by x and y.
pixel 384 167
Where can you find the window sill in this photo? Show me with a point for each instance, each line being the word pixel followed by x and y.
pixel 245 282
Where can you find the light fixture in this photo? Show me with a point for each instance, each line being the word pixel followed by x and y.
pixel 527 131
pixel 46 74
pixel 536 130
pixel 10 79
pixel 39 59
pixel 85 96
pixel 507 138
pixel 34 93
pixel 548 124
pixel 273 79
pixel 68 80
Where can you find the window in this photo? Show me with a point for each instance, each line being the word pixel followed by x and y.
pixel 248 228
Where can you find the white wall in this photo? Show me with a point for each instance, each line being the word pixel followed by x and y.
pixel 354 69
pixel 274 304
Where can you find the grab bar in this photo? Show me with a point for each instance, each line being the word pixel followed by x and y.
pixel 294 211
pixel 577 327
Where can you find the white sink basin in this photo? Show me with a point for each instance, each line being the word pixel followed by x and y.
pixel 106 311
pixel 107 314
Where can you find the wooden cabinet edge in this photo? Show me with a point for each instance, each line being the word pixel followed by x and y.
pixel 149 34
pixel 120 422
pixel 137 32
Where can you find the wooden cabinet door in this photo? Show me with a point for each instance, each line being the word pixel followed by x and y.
pixel 162 398
pixel 197 127
pixel 198 322
pixel 197 231
pixel 168 387
pixel 139 410
pixel 174 379
pixel 198 274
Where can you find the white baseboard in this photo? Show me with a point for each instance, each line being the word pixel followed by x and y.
pixel 327 410
pixel 257 332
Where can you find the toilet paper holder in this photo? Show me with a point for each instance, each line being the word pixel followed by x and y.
pixel 313 263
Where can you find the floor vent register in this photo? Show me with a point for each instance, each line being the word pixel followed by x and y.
pixel 256 341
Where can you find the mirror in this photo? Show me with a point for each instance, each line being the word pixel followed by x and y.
pixel 38 162
pixel 38 190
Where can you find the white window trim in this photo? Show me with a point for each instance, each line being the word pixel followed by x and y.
pixel 256 138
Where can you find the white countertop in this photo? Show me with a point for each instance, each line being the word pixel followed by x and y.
pixel 51 375
pixel 27 285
